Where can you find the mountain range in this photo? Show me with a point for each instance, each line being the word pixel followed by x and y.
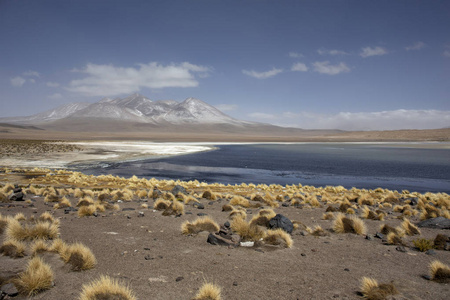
pixel 134 108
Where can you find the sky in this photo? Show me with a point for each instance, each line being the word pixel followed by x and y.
pixel 352 65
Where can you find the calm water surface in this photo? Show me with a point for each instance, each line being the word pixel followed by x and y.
pixel 350 165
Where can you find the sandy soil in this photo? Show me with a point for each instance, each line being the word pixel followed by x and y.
pixel 150 254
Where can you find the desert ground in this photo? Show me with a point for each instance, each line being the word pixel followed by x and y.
pixel 133 227
pixel 143 233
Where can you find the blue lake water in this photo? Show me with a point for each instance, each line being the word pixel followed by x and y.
pixel 393 166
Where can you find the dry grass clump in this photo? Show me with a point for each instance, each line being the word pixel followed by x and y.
pixel 189 199
pixel 86 201
pixel 208 291
pixel 3 198
pixel 161 204
pixel 263 217
pixel 106 288
pixel 46 217
pixel 19 217
pixel 317 231
pixel 210 195
pixel 423 245
pixel 440 272
pixel 142 194
pixel 278 237
pixel 386 229
pixel 227 207
pixel 352 224
pixel 40 230
pixel 328 216
pixel 175 208
pixel 369 214
pixel 246 231
pixel 240 201
pixel 199 225
pixel 3 223
pixel 86 211
pixel 79 257
pixel 409 228
pixel 374 291
pixel 39 246
pixel 62 204
pixel 13 249
pixel 394 239
pixel 237 213
pixel 58 246
pixel 51 198
pixel 37 277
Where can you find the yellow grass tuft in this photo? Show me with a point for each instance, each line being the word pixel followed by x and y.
pixel 210 195
pixel 40 230
pixel 106 288
pixel 374 291
pixel 58 246
pixel 161 204
pixel 246 231
pixel 175 208
pixel 278 237
pixel 37 277
pixel 328 216
pixel 317 231
pixel 409 228
pixel 85 211
pixel 62 204
pixel 352 224
pixel 79 257
pixel 238 213
pixel 240 201
pixel 394 239
pixel 39 246
pixel 46 216
pixel 369 214
pixel 51 198
pixel 440 272
pixel 13 249
pixel 208 291
pixel 423 244
pixel 199 225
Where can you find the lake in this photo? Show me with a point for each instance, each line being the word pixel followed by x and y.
pixel 416 167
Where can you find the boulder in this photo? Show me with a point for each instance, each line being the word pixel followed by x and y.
pixel 178 189
pixel 439 222
pixel 9 289
pixel 280 221
pixel 16 196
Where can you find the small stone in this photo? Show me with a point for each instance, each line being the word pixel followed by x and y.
pixel 369 238
pixel 148 257
pixel 95 214
pixel 188 213
pixel 141 214
pixel 199 205
pixel 379 235
pixel 346 269
pixel 427 277
pixel 259 250
pixel 128 209
pixel 227 224
pixel 314 250
pixel 303 233
pixel 235 283
pixel 9 289
pixel 128 217
pixel 146 248
pixel 303 254
pixel 179 278
pixel 210 202
pixel 285 204
pixel 430 252
pixel 201 214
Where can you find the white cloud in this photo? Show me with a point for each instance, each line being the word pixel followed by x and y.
pixel 368 51
pixel 299 67
pixel 258 116
pixel 55 96
pixel 295 54
pixel 52 84
pixel 17 81
pixel 262 75
pixel 226 107
pixel 416 46
pixel 324 67
pixel 384 120
pixel 331 52
pixel 31 73
pixel 446 53
pixel 108 80
pixel 32 80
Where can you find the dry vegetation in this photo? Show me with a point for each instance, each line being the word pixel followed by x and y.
pixel 248 208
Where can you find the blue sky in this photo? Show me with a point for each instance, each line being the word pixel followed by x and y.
pixel 310 64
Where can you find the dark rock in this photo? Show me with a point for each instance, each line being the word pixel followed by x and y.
pixel 16 196
pixel 210 202
pixel 259 250
pixel 128 217
pixel 9 289
pixel 146 248
pixel 201 214
pixel 347 270
pixel 235 283
pixel 17 190
pixel 218 240
pixel 128 209
pixel 401 249
pixel 379 235
pixel 178 189
pixel 188 213
pixel 199 205
pixel 430 252
pixel 179 278
pixel 439 222
pixel 95 214
pixel 148 257
pixel 368 237
pixel 141 214
pixel 285 204
pixel 298 205
pixel 413 201
pixel 280 221
pixel 227 224
pixel 303 254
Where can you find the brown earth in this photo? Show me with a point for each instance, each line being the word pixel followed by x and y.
pixel 151 255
